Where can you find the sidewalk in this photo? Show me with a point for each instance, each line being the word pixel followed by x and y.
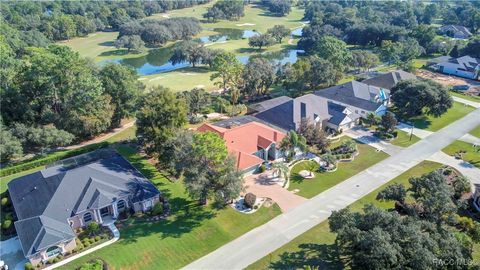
pixel 466 101
pixel 116 236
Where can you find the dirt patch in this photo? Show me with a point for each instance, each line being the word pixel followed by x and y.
pixel 446 79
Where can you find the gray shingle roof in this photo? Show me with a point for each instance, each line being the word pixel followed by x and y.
pixel 353 93
pixel 287 114
pixel 389 80
pixel 53 195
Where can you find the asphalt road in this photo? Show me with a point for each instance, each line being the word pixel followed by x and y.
pixel 265 239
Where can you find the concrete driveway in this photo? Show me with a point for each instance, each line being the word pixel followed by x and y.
pixel 11 253
pixel 266 185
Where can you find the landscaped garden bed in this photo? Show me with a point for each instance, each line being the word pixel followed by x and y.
pixel 322 181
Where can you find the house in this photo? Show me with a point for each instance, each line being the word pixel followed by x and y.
pixel 455 31
pixel 52 203
pixel 358 97
pixel 465 66
pixel 251 143
pixel 286 113
pixel 388 80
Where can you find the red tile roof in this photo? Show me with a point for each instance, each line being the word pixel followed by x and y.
pixel 244 140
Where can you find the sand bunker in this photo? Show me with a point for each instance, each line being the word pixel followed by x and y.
pixel 246 24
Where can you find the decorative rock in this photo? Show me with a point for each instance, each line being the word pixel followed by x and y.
pixel 306 174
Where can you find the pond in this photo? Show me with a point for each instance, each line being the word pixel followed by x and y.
pixel 156 61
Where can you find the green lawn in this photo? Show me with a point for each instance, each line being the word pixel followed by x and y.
pixel 323 181
pixel 467 97
pixel 317 246
pixel 433 124
pixel 471 155
pixel 99 46
pixel 475 132
pixel 190 233
pixel 403 139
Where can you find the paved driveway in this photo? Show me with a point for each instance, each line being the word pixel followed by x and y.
pixel 11 253
pixel 366 136
pixel 264 239
pixel 265 185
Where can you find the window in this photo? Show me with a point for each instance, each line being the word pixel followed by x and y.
pixel 356 111
pixel 53 251
pixel 363 112
pixel 303 110
pixel 315 116
pixel 70 222
pixel 87 217
pixel 121 205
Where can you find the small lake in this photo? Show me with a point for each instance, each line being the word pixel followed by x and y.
pixel 156 61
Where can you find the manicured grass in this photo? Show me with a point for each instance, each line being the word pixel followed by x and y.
pixel 403 139
pixel 127 134
pixel 471 155
pixel 467 97
pixel 433 124
pixel 181 79
pixel 475 132
pixel 316 247
pixel 99 46
pixel 254 14
pixel 191 232
pixel 323 181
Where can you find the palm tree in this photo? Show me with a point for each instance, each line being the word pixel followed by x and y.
pixel 281 170
pixel 329 159
pixel 311 166
pixel 292 141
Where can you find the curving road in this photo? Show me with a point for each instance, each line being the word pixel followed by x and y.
pixel 265 239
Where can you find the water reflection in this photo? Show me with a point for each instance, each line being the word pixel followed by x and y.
pixel 156 61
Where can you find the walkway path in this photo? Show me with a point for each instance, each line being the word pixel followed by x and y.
pixel 365 136
pixel 264 185
pixel 102 137
pixel 470 139
pixel 265 239
pixel 466 101
pixel 116 236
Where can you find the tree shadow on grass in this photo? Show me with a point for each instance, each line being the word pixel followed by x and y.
pixel 320 255
pixel 107 43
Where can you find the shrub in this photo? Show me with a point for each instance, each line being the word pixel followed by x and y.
pixel 4 201
pixel 98 238
pixel 92 240
pixel 262 168
pixel 29 266
pixel 93 228
pixel 56 259
pixel 7 224
pixel 50 261
pixel 86 244
pixel 157 209
pixel 249 200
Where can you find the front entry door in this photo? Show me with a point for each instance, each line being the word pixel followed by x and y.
pixel 104 211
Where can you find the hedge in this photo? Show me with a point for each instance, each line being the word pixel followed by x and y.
pixel 50 159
